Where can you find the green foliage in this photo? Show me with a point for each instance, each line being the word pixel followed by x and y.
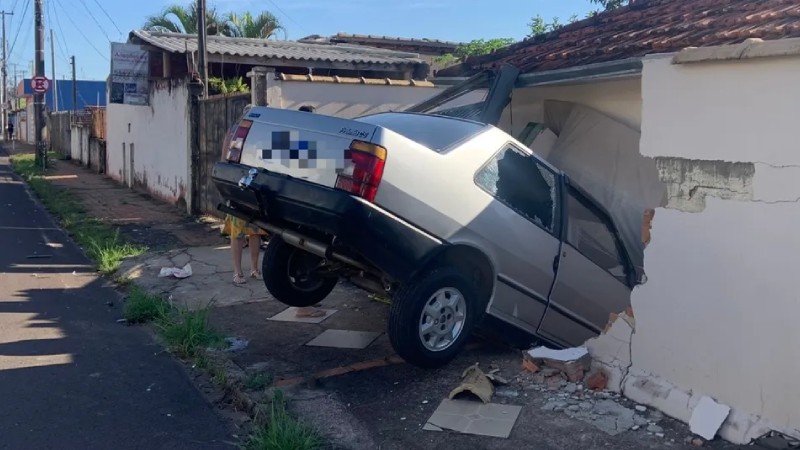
pixel 100 241
pixel 188 333
pixel 217 85
pixel 280 431
pixel 479 47
pixel 142 307
pixel 538 26
pixel 178 18
pixel 611 4
pixel 258 381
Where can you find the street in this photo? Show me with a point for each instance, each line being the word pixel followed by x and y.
pixel 70 375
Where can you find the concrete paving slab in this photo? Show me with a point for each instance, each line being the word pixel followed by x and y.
pixel 470 417
pixel 290 315
pixel 344 339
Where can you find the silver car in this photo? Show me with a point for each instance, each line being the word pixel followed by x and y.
pixel 453 219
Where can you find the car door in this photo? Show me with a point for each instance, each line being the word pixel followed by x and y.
pixel 593 278
pixel 522 226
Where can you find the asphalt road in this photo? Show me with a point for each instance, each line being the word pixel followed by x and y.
pixel 70 376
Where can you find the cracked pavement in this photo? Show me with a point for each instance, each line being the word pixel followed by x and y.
pixel 210 284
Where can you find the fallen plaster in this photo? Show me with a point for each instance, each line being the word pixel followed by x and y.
pixel 690 181
pixel 611 351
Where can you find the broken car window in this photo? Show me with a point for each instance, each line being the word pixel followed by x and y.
pixel 590 233
pixel 523 184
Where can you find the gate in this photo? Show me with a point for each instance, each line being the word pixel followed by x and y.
pixel 215 116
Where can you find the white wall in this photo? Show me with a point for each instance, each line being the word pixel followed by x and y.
pixel 79 144
pixel 718 316
pixel 351 100
pixel 159 134
pixel 619 99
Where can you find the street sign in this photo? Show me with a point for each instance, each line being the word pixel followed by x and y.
pixel 40 84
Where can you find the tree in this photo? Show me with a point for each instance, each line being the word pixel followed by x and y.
pixel 475 47
pixel 263 26
pixel 611 4
pixel 183 19
pixel 538 26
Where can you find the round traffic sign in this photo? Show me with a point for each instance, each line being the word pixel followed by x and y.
pixel 40 84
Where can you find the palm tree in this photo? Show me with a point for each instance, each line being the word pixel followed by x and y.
pixel 183 19
pixel 263 26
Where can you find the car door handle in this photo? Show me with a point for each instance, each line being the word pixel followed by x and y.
pixel 555 263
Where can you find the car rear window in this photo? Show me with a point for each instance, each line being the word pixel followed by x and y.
pixel 435 132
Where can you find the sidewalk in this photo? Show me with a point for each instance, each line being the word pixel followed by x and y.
pixel 140 218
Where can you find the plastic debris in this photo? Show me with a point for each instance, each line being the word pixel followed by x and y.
pixel 475 382
pixel 236 344
pixel 185 272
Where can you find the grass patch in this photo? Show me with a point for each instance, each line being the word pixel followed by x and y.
pixel 188 333
pixel 101 242
pixel 280 431
pixel 257 381
pixel 142 307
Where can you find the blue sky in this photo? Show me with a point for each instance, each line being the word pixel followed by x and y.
pixel 84 28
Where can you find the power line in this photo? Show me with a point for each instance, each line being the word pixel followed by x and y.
pixel 59 38
pixel 95 19
pixel 287 15
pixel 60 35
pixel 19 28
pixel 89 41
pixel 109 17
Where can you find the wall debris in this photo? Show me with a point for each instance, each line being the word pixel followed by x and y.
pixel 690 181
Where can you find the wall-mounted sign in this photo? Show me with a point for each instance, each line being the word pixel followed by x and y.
pixel 130 74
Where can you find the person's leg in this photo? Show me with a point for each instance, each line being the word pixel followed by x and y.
pixel 255 251
pixel 236 251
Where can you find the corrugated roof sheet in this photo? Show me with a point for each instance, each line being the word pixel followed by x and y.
pixel 282 50
pixel 645 27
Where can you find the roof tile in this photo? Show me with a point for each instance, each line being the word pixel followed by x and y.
pixel 644 27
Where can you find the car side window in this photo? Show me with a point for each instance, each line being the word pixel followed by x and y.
pixel 590 232
pixel 523 184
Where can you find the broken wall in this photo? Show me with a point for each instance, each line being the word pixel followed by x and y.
pixel 148 146
pixel 718 315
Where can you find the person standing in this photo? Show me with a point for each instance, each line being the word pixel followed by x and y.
pixel 10 130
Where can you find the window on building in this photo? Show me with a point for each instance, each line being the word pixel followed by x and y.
pixel 523 184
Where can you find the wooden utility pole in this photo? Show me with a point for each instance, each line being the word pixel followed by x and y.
pixel 39 98
pixel 201 45
pixel 3 99
pixel 74 86
pixel 54 87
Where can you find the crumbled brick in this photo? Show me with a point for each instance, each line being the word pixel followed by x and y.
pixel 597 381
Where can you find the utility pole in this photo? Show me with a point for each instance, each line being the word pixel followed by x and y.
pixel 54 87
pixel 3 99
pixel 201 45
pixel 39 98
pixel 74 86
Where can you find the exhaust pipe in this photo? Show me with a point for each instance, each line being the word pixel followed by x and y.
pixel 295 239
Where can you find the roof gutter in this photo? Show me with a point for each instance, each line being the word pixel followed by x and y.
pixel 625 68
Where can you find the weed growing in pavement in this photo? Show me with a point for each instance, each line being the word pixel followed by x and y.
pixel 280 431
pixel 142 307
pixel 100 241
pixel 257 381
pixel 188 333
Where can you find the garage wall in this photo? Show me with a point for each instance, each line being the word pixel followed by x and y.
pixel 619 99
pixel 718 316
pixel 148 146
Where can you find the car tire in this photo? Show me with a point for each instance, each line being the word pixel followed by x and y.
pixel 280 277
pixel 410 317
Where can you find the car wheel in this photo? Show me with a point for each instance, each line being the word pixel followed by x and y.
pixel 291 275
pixel 431 317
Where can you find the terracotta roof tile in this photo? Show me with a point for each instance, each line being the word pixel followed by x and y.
pixel 644 27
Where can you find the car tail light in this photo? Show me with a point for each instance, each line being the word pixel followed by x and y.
pixel 234 141
pixel 364 175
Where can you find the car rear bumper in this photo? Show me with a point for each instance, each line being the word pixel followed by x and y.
pixel 383 240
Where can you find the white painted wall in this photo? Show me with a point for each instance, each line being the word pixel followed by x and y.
pixel 619 99
pixel 718 316
pixel 79 144
pixel 159 135
pixel 351 100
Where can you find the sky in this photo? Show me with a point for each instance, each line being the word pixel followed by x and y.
pixel 85 28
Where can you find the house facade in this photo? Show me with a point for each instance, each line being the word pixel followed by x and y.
pixel 679 115
pixel 151 146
